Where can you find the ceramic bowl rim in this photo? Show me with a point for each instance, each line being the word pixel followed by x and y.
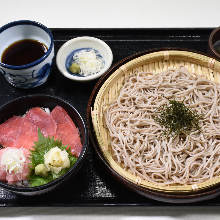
pixel 36 62
pixel 210 43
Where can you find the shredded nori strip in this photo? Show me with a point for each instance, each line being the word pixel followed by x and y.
pixel 177 118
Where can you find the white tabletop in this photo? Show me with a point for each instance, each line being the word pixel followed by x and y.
pixel 112 14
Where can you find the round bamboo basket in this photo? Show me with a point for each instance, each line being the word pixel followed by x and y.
pixel 154 62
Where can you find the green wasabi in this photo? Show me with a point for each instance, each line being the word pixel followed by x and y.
pixel 74 68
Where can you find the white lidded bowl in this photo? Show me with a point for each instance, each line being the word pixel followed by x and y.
pixel 83 42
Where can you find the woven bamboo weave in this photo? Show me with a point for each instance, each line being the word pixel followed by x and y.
pixel 155 62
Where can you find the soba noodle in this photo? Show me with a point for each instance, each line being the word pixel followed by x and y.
pixel 138 142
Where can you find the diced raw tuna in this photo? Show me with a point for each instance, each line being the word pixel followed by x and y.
pixel 18 132
pixel 42 120
pixel 69 137
pixel 28 134
pixel 10 131
pixel 22 131
pixel 17 174
pixel 60 116
pixel 66 130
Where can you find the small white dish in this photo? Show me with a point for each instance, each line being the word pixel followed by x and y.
pixel 79 43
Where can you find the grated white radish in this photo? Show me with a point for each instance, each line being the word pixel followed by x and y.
pixel 88 62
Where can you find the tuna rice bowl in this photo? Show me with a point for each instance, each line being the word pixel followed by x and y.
pixel 38 147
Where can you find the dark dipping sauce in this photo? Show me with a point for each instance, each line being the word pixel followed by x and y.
pixel 23 52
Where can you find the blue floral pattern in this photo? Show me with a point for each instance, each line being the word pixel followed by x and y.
pixel 29 80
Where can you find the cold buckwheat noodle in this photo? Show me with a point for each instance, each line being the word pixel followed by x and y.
pixel 138 141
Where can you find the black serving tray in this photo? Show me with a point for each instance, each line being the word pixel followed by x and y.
pixel 93 186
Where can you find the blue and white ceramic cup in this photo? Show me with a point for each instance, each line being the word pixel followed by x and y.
pixel 32 74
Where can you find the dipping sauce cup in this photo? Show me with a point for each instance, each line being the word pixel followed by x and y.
pixel 16 37
pixel 214 43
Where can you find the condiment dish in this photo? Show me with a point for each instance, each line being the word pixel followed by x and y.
pixel 65 54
